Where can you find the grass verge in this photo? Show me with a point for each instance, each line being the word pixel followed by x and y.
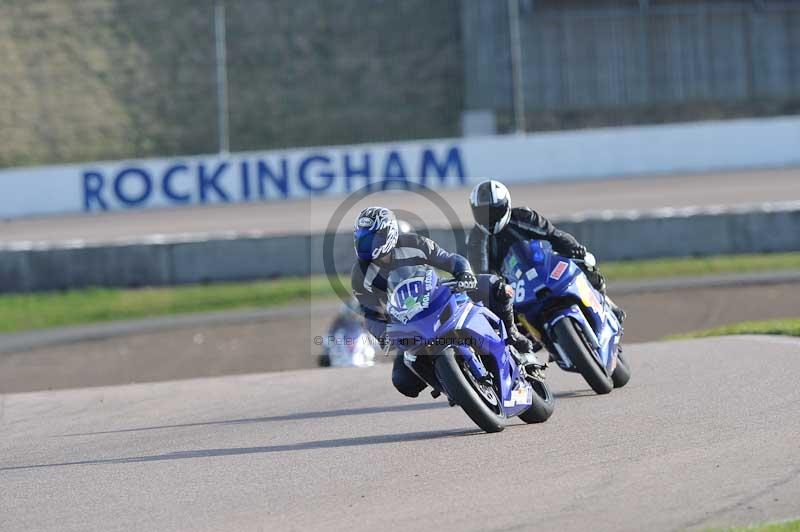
pixel 783 327
pixel 23 312
pixel 685 267
pixel 785 526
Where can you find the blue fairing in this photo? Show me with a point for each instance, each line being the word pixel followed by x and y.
pixel 427 318
pixel 550 287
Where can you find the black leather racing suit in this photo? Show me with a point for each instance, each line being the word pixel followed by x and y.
pixel 487 252
pixel 369 283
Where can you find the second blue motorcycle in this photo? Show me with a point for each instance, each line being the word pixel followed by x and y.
pixel 556 305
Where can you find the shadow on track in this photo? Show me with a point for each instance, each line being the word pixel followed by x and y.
pixel 287 417
pixel 313 415
pixel 238 451
pixel 575 394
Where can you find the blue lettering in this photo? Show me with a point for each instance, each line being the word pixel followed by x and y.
pixel 441 171
pixel 207 182
pixel 93 183
pixel 365 171
pixel 281 180
pixel 119 189
pixel 327 175
pixel 245 173
pixel 394 168
pixel 166 184
pixel 394 173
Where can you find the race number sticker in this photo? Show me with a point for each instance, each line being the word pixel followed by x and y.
pixel 409 298
pixel 558 271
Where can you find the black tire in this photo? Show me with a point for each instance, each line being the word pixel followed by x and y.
pixel 324 361
pixel 462 390
pixel 622 373
pixel 572 342
pixel 543 403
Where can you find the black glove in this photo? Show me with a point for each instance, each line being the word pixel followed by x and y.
pixel 578 252
pixel 466 281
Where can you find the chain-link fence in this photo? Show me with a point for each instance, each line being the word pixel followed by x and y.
pixel 100 79
pixel 632 62
pixel 109 79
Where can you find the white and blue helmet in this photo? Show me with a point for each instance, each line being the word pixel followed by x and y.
pixel 375 233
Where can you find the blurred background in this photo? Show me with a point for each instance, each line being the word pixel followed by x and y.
pixel 682 112
pixel 116 79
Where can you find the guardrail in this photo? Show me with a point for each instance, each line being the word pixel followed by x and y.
pixel 24 267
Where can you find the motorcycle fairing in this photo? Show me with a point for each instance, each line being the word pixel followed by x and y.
pixel 454 315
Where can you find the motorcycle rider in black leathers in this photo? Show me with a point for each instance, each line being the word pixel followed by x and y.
pixel 380 249
pixel 498 226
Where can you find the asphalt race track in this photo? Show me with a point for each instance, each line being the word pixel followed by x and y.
pixel 557 199
pixel 705 434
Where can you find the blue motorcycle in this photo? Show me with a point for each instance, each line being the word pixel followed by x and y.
pixel 458 347
pixel 555 304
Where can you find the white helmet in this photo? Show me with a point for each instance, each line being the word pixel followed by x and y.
pixel 491 206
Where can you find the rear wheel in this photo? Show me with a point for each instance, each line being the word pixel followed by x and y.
pixel 543 403
pixel 622 373
pixel 572 342
pixel 480 401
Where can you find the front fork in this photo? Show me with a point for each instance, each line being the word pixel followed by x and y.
pixel 586 331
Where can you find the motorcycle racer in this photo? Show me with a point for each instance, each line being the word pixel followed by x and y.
pixel 498 226
pixel 380 248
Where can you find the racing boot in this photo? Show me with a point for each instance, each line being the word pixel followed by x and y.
pixel 523 349
pixel 617 310
pixel 597 280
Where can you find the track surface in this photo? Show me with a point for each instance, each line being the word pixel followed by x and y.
pixel 552 199
pixel 704 435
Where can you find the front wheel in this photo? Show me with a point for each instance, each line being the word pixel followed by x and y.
pixel 543 403
pixel 481 402
pixel 622 373
pixel 572 342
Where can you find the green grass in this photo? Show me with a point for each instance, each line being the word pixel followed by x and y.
pixel 682 267
pixel 786 526
pixel 783 327
pixel 22 312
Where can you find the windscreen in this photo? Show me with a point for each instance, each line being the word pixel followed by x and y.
pixel 521 257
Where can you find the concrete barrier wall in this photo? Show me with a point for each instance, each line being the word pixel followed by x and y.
pixel 626 235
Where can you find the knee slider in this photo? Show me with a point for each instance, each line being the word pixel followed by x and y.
pixel 503 292
pixel 407 383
